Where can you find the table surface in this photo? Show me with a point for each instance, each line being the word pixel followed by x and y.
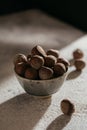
pixel 20 111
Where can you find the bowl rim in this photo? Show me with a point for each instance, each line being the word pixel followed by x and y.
pixel 45 80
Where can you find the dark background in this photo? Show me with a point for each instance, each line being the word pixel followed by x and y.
pixel 70 11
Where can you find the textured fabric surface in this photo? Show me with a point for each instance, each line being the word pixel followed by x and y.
pixel 20 111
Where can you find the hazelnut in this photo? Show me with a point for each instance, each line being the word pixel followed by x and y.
pixel 64 61
pixel 38 50
pixel 77 54
pixel 59 69
pixel 53 52
pixel 45 73
pixel 19 58
pixel 20 68
pixel 36 61
pixel 79 64
pixel 67 107
pixel 31 73
pixel 50 61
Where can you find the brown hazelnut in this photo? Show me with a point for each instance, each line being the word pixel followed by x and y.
pixel 20 68
pixel 37 61
pixel 31 73
pixel 59 69
pixel 19 58
pixel 38 50
pixel 45 73
pixel 79 64
pixel 67 107
pixel 64 61
pixel 53 52
pixel 50 61
pixel 77 54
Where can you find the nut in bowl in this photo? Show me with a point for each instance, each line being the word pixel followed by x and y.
pixel 42 80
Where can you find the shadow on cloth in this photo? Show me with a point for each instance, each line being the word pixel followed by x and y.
pixel 73 74
pixel 59 123
pixel 22 112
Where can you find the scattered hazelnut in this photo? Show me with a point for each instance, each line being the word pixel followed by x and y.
pixel 45 73
pixel 37 61
pixel 77 54
pixel 59 69
pixel 20 68
pixel 19 58
pixel 50 61
pixel 79 64
pixel 38 50
pixel 53 52
pixel 31 73
pixel 67 107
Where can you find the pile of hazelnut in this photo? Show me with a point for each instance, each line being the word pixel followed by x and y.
pixel 40 65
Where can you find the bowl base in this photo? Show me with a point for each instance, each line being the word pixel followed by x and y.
pixel 42 97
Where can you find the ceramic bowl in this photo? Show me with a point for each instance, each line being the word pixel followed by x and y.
pixel 41 87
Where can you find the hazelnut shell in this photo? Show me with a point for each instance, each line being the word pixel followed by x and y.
pixel 19 58
pixel 31 73
pixel 79 64
pixel 20 68
pixel 77 54
pixel 45 73
pixel 36 61
pixel 53 52
pixel 38 50
pixel 59 69
pixel 64 61
pixel 67 107
pixel 50 60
